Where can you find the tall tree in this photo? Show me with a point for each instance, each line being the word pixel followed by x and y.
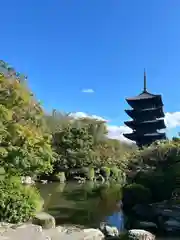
pixel 24 145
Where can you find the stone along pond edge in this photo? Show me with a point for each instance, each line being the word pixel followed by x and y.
pixel 43 227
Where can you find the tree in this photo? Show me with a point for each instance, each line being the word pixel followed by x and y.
pixel 56 121
pixel 25 145
pixel 112 152
pixel 73 146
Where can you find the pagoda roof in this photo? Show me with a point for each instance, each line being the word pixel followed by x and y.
pixel 157 122
pixel 134 112
pixel 133 136
pixel 144 95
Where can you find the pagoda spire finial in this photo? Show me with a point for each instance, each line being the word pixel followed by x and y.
pixel 145 88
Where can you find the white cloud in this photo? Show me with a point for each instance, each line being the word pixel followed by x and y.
pixel 172 120
pixel 89 90
pixel 85 115
pixel 116 132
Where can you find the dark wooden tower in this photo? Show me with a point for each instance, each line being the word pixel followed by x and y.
pixel 147 114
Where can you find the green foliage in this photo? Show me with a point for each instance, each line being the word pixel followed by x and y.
pixel 25 136
pixel 18 203
pixel 115 173
pixel 160 155
pixel 155 182
pixel 25 145
pixel 61 176
pixel 83 142
pixel 105 172
pixel 135 194
pixel 157 166
pixel 74 148
pixel 89 173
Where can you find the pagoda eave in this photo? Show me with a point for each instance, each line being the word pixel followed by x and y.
pixel 148 136
pixel 158 112
pixel 158 124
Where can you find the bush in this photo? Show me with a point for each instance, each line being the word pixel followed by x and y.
pixel 122 177
pixel 105 172
pixel 115 173
pixel 60 177
pixel 18 203
pixel 155 182
pixel 89 173
pixel 135 194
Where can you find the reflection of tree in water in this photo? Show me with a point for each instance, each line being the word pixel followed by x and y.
pixel 80 203
pixel 93 203
pixel 48 193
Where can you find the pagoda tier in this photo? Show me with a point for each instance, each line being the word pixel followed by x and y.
pixel 147 115
pixel 145 100
pixel 152 125
pixel 149 137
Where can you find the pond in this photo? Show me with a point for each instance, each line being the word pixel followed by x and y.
pixel 86 204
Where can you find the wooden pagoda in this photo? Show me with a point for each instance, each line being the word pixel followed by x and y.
pixel 148 118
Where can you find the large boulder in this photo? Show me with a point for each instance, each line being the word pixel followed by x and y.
pixel 25 231
pixel 139 234
pixel 93 234
pixel 109 231
pixel 45 220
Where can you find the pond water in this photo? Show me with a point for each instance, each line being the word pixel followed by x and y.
pixel 86 204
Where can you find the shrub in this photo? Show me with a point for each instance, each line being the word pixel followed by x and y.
pixel 155 182
pixel 135 194
pixel 18 203
pixel 60 177
pixel 122 177
pixel 115 173
pixel 105 172
pixel 89 173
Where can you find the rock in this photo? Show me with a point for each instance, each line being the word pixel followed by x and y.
pixel 86 234
pixel 93 234
pixel 29 227
pixel 35 232
pixel 109 231
pixel 25 231
pixel 44 181
pixel 172 225
pixel 45 220
pixel 139 234
pixel 27 180
pixel 144 212
pixel 146 225
pixel 5 226
pixel 54 233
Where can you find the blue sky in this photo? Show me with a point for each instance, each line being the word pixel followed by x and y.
pixel 65 46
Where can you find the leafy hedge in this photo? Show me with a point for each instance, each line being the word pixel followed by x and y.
pixel 18 203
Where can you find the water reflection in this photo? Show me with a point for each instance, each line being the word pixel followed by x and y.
pixel 84 204
pixel 116 219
